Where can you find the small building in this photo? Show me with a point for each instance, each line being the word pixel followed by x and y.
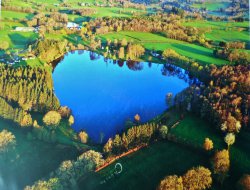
pixel 72 25
pixel 25 29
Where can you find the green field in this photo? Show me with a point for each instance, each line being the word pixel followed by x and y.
pixel 158 42
pixel 145 168
pixel 223 31
pixel 15 16
pixel 193 130
pixel 211 5
pixel 17 40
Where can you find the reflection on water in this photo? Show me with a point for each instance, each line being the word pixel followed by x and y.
pixel 103 94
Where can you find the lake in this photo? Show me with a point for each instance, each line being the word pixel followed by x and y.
pixel 104 94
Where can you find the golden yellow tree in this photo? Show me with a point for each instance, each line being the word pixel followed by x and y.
pixel 221 164
pixel 71 120
pixel 83 136
pixel 208 144
pixel 171 183
pixel 52 118
pixel 198 178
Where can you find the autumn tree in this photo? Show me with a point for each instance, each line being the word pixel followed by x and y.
pixel 208 144
pixel 64 111
pixel 229 139
pixel 171 183
pixel 134 51
pixel 52 118
pixel 121 53
pixel 137 118
pixel 83 136
pixel 163 131
pixel 51 184
pixel 231 125
pixel 124 42
pixel 244 183
pixel 108 146
pixel 221 164
pixel 7 141
pixel 170 54
pixel 71 120
pixel 26 121
pixel 198 178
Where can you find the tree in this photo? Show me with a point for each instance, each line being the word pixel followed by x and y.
pixel 64 111
pixel 51 184
pixel 229 139
pixel 163 131
pixel 137 118
pixel 221 164
pixel 121 54
pixel 71 120
pixel 117 144
pixel 124 42
pixel 171 183
pixel 52 118
pixel 108 146
pixel 4 45
pixel 83 136
pixel 170 54
pixel 208 144
pixel 197 179
pixel 26 121
pixel 134 51
pixel 7 141
pixel 244 183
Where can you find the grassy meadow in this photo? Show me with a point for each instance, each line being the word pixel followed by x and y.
pixel 159 43
pixel 148 166
pixel 223 31
pixel 211 5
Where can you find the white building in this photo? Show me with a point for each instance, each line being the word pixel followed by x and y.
pixel 72 25
pixel 25 29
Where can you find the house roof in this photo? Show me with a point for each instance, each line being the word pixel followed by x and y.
pixel 24 28
pixel 72 25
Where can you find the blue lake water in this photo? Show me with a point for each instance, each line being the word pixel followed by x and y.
pixel 104 94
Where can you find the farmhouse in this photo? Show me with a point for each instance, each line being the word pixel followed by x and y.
pixel 72 25
pixel 25 29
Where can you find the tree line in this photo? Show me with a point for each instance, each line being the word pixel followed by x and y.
pixel 28 88
pixel 133 137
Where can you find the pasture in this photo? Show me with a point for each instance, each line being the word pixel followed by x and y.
pixel 159 43
pixel 145 168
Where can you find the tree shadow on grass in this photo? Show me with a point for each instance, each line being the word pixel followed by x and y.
pixel 187 48
pixel 21 40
